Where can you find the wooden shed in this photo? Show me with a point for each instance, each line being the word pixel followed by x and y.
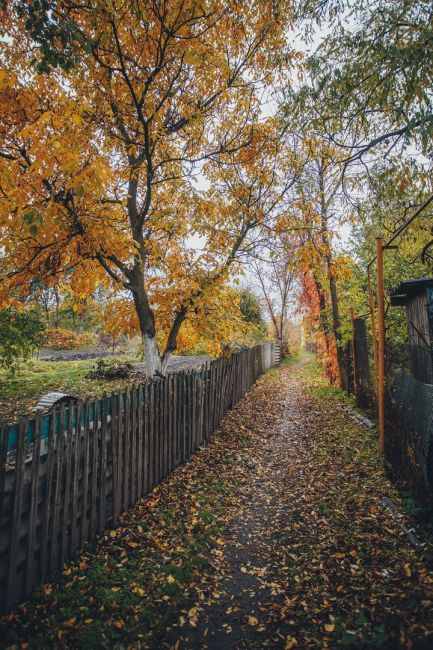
pixel 417 296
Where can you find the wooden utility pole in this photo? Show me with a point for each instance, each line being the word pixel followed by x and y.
pixel 381 344
pixel 352 316
pixel 373 324
pixel 362 369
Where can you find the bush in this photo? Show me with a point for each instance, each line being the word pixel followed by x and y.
pixel 20 334
pixel 110 369
pixel 58 338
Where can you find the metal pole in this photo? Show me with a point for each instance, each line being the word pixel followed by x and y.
pixel 373 324
pixel 381 344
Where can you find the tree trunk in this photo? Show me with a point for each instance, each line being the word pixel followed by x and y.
pixel 164 361
pixel 146 319
pixel 47 312
pixel 336 323
pixel 57 298
pixel 323 320
pixel 152 360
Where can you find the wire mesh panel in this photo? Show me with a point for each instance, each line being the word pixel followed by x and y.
pixel 414 360
pixel 409 419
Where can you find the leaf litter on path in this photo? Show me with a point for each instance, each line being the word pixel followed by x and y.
pixel 274 535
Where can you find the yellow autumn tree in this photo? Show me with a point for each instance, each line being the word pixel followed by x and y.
pixel 216 323
pixel 108 109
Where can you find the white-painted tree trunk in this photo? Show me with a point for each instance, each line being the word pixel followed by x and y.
pixel 164 362
pixel 152 360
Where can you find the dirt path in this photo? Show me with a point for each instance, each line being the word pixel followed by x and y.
pixel 239 611
pixel 313 560
pixel 274 535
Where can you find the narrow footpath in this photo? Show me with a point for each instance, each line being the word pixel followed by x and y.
pixel 273 536
pixel 313 560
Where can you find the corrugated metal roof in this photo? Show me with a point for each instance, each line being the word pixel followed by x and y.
pixel 50 399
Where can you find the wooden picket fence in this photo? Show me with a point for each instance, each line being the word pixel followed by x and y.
pixel 65 476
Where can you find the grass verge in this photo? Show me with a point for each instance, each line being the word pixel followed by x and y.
pixel 20 391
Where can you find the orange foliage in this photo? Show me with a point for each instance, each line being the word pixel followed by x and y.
pixel 58 338
pixel 324 341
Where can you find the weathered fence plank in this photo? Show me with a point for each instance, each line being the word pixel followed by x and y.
pixel 64 522
pixel 67 475
pixel 11 585
pixel 59 451
pixel 86 471
pixel 33 506
pixel 127 451
pixel 133 444
pixel 114 399
pixel 48 497
pixel 76 482
pixel 103 482
pixel 140 433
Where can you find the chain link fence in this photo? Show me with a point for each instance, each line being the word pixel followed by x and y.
pixel 409 417
pixel 408 405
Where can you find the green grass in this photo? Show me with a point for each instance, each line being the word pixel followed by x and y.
pixel 301 357
pixel 420 512
pixel 333 393
pixel 320 388
pixel 19 391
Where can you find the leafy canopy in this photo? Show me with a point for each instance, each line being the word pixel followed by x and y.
pixel 372 76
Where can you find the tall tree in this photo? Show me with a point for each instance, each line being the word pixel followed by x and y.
pixel 96 155
pixel 322 200
pixel 275 275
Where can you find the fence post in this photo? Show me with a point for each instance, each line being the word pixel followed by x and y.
pixel 355 386
pixel 363 385
pixel 381 344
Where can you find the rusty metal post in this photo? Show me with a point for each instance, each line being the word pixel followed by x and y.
pixel 381 344
pixel 373 324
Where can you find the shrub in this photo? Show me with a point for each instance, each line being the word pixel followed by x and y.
pixel 58 338
pixel 20 334
pixel 110 369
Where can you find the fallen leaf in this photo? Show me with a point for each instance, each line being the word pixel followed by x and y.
pixel 119 623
